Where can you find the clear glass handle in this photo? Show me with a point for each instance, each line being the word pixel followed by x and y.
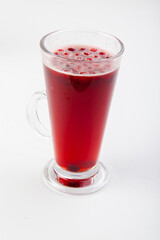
pixel 32 114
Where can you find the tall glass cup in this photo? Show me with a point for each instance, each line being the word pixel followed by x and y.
pixel 80 68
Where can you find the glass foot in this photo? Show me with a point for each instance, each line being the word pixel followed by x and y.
pixel 87 182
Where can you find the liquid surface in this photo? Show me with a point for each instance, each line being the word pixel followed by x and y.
pixel 82 60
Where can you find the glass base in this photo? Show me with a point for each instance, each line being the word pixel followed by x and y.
pixel 87 182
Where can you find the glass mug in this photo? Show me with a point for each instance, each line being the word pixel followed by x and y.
pixel 80 68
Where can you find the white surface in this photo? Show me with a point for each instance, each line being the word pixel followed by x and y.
pixel 128 207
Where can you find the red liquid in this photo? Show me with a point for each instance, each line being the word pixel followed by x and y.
pixel 78 106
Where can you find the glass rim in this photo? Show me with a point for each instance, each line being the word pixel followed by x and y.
pixel 42 42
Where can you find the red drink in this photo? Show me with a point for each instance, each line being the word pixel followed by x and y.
pixel 79 95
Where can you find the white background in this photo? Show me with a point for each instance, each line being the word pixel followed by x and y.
pixel 128 207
